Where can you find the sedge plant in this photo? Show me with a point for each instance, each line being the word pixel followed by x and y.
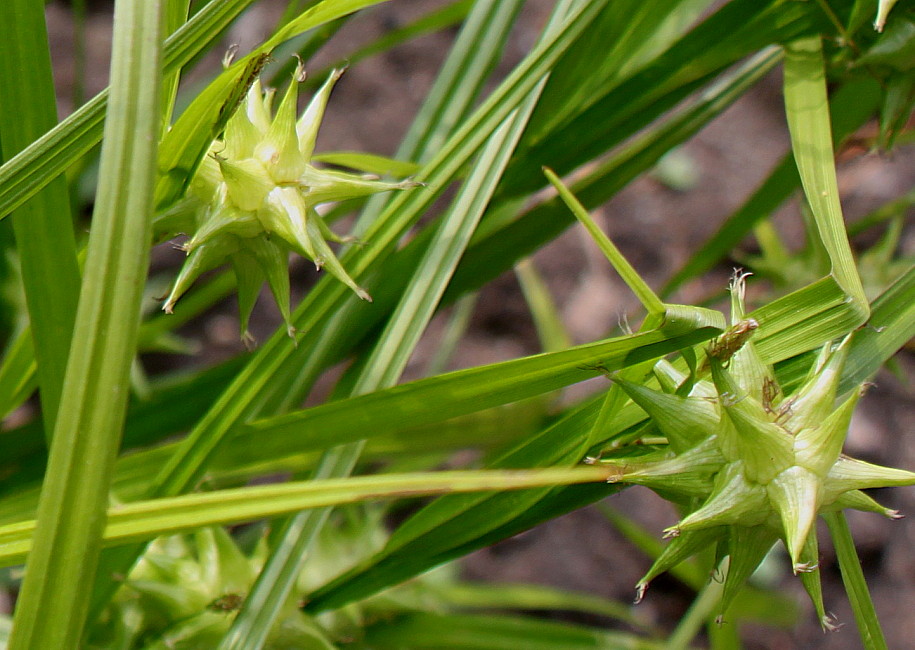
pixel 134 500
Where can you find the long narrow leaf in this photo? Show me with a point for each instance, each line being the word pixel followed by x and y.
pixel 439 398
pixel 428 631
pixel 850 107
pixel 807 108
pixel 144 520
pixel 855 585
pixel 488 257
pixel 52 606
pixel 44 227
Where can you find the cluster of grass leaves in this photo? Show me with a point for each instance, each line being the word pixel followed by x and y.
pixel 116 459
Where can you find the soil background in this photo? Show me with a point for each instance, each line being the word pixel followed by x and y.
pixel 657 227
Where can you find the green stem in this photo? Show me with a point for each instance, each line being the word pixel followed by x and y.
pixel 855 584
pixel 699 611
pixel 43 225
pixel 52 606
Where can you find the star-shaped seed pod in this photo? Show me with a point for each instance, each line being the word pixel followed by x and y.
pixel 253 200
pixel 185 593
pixel 749 464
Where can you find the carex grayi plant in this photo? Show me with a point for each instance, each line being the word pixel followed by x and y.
pixel 258 501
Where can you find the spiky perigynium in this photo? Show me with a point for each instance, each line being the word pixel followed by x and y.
pixel 185 592
pixel 253 200
pixel 750 464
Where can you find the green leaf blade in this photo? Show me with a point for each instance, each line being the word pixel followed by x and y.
pixel 52 607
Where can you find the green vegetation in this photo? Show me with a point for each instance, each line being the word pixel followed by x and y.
pixel 119 495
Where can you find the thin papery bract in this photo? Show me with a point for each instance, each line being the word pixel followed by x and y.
pixel 253 200
pixel 750 464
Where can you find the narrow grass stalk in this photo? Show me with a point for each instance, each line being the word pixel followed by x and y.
pixel 853 579
pixel 633 280
pixel 43 225
pixel 52 606
pixel 807 109
pixel 700 611
pixel 144 520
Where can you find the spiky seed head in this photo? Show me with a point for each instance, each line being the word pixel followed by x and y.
pixel 254 199
pixel 758 464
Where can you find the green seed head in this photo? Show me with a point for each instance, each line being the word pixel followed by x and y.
pixel 756 464
pixel 254 198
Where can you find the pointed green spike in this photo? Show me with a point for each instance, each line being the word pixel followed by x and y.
pixel 249 279
pixel 326 258
pixel 225 568
pixel 273 260
pixel 883 10
pixel 267 101
pixel 752 375
pixel 678 550
pixel 279 150
pixel 257 113
pixel 683 420
pixel 796 495
pixel 179 600
pixel 221 220
pixel 810 578
pixel 817 447
pixel 241 135
pixel 765 449
pixel 687 475
pixel 322 186
pixel 702 460
pixel 179 217
pixel 721 555
pixel 308 125
pixel 285 213
pixel 207 558
pixel 814 401
pixel 667 383
pixel 699 389
pixel 728 439
pixel 668 374
pixel 167 563
pixel 747 547
pixel 852 474
pixel 200 260
pixel 732 501
pixel 330 235
pixel 858 500
pixel 247 181
pixel 202 630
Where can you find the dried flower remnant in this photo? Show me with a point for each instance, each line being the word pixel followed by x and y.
pixel 754 465
pixel 253 200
